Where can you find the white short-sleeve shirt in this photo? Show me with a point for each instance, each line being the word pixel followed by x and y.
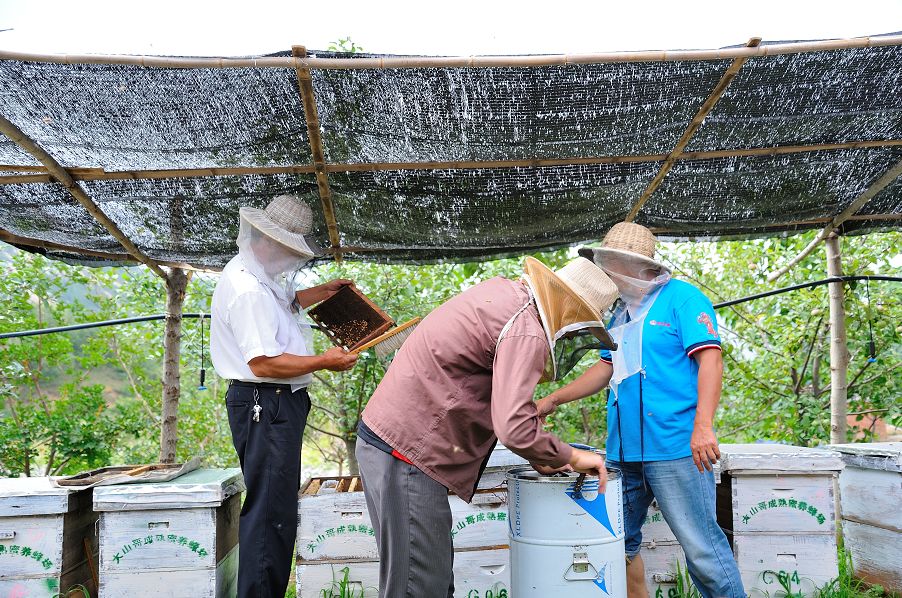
pixel 247 321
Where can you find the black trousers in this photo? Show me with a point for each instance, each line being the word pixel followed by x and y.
pixel 270 454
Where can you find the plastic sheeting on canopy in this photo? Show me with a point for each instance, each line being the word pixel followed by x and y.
pixel 135 118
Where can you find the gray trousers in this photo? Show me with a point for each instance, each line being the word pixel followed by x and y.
pixel 412 520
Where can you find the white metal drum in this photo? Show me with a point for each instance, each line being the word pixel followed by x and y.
pixel 564 543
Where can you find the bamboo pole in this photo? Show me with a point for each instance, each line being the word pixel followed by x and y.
pixel 401 62
pixel 879 185
pixel 98 174
pixel 305 86
pixel 13 239
pixel 88 174
pixel 176 285
pixel 61 175
pixel 18 179
pixel 787 149
pixel 839 351
pixel 19 168
pixel 662 230
pixel 690 131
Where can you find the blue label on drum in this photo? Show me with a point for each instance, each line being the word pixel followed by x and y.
pixel 596 508
pixel 599 581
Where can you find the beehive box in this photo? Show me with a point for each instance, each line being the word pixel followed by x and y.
pixel 661 563
pixel 806 561
pixel 180 536
pixel 776 503
pixel 871 497
pixel 335 526
pixel 335 531
pixel 483 573
pixel 349 318
pixel 47 539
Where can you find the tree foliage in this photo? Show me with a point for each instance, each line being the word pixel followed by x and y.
pixel 777 349
pixel 74 401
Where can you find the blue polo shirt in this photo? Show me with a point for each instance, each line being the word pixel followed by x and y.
pixel 680 323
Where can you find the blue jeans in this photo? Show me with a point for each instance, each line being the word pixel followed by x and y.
pixel 686 499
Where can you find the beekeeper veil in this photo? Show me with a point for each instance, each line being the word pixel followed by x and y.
pixel 274 243
pixel 570 303
pixel 627 256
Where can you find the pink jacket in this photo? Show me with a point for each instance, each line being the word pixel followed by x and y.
pixel 449 392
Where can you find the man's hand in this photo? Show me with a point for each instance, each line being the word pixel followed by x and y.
pixel 705 451
pixel 590 463
pixel 548 470
pixel 321 292
pixel 333 286
pixel 546 406
pixel 338 360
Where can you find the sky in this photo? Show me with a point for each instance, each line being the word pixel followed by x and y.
pixel 463 27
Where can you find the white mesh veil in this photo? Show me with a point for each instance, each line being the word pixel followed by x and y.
pixel 276 267
pixel 634 278
pixel 270 262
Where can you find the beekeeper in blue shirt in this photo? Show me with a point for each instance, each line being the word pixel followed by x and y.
pixel 665 381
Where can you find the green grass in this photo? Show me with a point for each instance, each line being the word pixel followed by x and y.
pixel 73 592
pixel 343 587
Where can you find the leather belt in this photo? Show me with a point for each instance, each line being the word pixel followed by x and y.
pixel 249 384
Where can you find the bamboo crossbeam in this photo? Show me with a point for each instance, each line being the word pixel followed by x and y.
pixel 691 130
pixel 13 239
pixel 98 174
pixel 401 62
pixel 305 86
pixel 663 230
pixel 18 179
pixel 787 149
pixel 879 185
pixel 63 176
pixel 20 168
pixel 78 174
pixel 93 174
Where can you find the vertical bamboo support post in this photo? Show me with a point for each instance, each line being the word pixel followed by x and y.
pixel 305 86
pixel 176 285
pixel 839 351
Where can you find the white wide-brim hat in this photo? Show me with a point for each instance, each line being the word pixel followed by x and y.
pixel 580 292
pixel 626 239
pixel 286 220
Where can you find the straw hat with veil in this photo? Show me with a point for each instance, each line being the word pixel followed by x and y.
pixel 627 255
pixel 275 242
pixel 571 303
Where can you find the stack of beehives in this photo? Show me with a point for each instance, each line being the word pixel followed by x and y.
pixel 335 534
pixel 871 489
pixel 177 538
pixel 47 541
pixel 776 503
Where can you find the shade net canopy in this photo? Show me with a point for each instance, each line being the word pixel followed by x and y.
pixel 519 158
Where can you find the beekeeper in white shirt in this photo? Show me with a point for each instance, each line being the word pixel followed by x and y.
pixel 259 343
